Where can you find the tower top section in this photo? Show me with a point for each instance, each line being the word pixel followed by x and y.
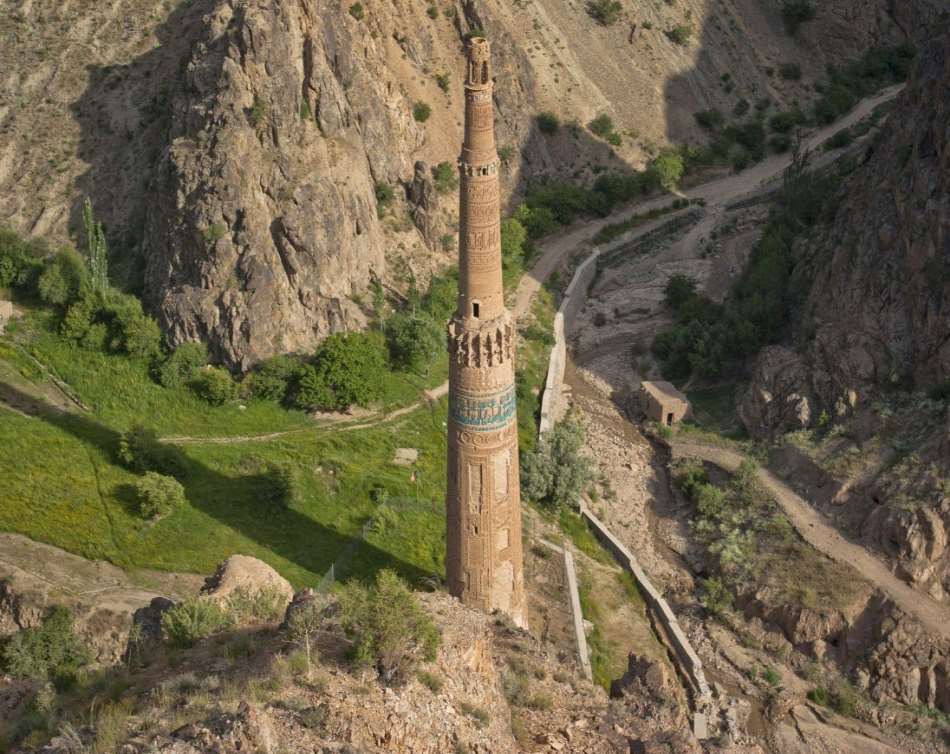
pixel 479 64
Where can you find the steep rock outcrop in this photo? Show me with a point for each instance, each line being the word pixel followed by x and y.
pixel 879 304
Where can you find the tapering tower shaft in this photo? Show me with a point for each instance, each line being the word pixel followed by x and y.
pixel 484 560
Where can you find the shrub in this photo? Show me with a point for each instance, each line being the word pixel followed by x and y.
pixel 140 451
pixel 356 10
pixel 79 318
pixel 384 197
pixel 715 597
pixel 680 34
pixel 414 341
pixel 348 369
pixel 709 119
pixel 214 385
pixel 555 473
pixel 443 81
pixel 273 378
pixel 780 143
pixel 604 12
pixel 430 681
pixel 183 364
pixel 131 330
pixel 192 620
pixel 839 139
pixel 602 125
pixel 50 652
pixel 548 123
pixel 421 112
pixel 513 239
pixel 302 627
pixel 20 263
pixel 790 71
pixel 680 290
pixel 797 12
pixel 784 122
pixel 389 629
pixel 432 12
pixel 538 221
pixel 668 168
pixel 446 177
pixel 741 108
pixel 158 495
pixel 61 280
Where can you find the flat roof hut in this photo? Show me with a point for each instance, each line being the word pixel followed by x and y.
pixel 663 403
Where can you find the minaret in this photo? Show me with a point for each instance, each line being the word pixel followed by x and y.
pixel 484 563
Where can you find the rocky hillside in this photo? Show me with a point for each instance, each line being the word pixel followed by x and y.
pixel 877 312
pixel 234 149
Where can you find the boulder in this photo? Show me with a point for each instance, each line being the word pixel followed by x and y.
pixel 247 574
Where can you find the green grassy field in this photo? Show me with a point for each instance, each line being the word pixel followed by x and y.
pixel 62 484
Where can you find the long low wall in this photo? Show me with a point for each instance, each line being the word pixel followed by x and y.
pixel 690 664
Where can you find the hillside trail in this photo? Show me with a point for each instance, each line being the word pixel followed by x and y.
pixel 825 538
pixel 577 238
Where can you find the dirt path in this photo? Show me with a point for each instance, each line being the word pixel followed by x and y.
pixel 557 248
pixel 826 539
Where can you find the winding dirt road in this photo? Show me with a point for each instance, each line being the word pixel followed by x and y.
pixel 825 538
pixel 555 249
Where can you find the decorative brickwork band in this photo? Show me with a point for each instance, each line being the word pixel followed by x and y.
pixel 484 561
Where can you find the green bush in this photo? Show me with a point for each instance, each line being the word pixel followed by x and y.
pixel 548 122
pixel 20 260
pixel 446 177
pixel 384 197
pixel 680 34
pixel 273 378
pixel 132 331
pixel 356 10
pixel 602 125
pixel 668 168
pixel 710 119
pixel 414 340
pixel 790 71
pixel 140 451
pixel 50 652
pixel 388 627
pixel 780 143
pixel 192 620
pixel 680 290
pixel 784 122
pixel 158 495
pixel 214 385
pixel 441 299
pixel 421 112
pixel 79 317
pixel 348 369
pixel 183 364
pixel 839 139
pixel 797 12
pixel 60 282
pixel 711 339
pixel 604 12
pixel 555 473
pixel 844 86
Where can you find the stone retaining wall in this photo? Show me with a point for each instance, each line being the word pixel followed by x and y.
pixel 690 664
pixel 574 599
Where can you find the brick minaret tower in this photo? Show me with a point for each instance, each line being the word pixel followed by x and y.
pixel 484 561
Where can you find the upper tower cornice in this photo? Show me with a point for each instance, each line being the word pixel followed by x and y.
pixel 479 75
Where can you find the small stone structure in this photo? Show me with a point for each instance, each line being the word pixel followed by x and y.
pixel 663 403
pixel 6 314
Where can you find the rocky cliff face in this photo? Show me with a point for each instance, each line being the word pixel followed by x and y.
pixel 233 148
pixel 878 312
